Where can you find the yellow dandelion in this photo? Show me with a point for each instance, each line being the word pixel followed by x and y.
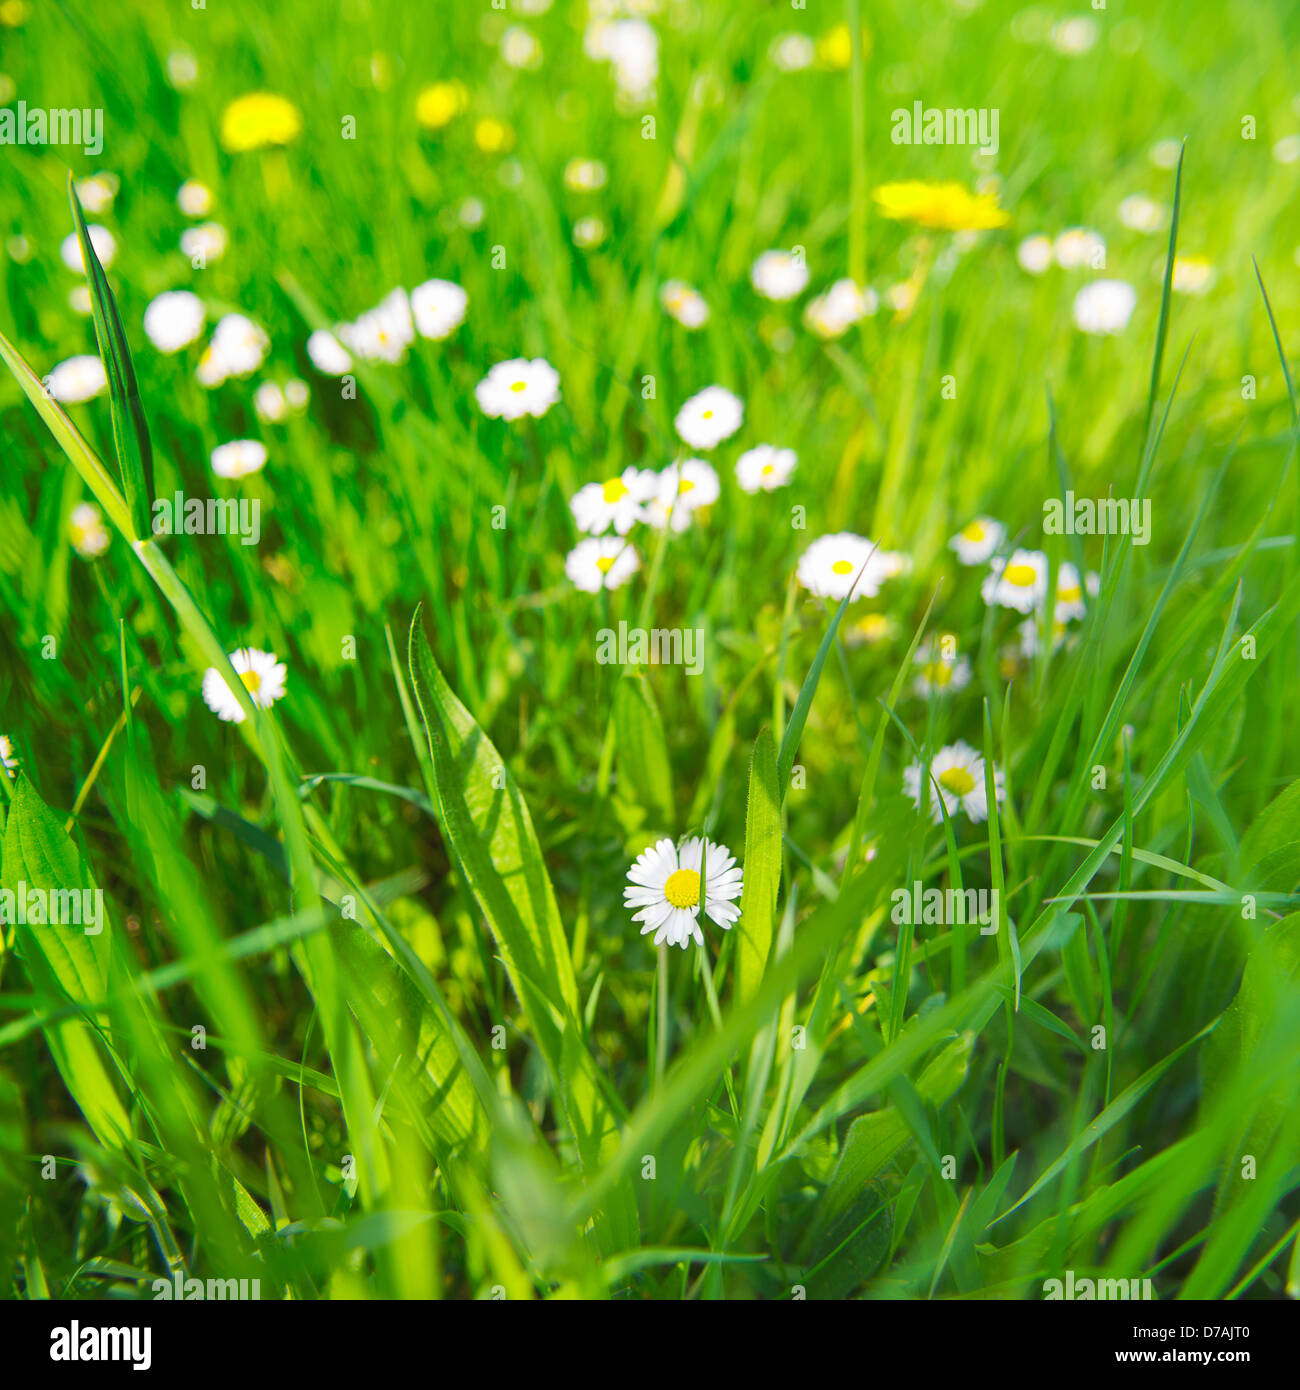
pixel 835 47
pixel 440 103
pixel 946 206
pixel 258 119
pixel 493 136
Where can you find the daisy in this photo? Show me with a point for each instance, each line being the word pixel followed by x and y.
pixel 263 677
pixel 327 354
pixel 870 629
pixel 87 531
pixel 238 348
pixel 679 491
pixel 1078 247
pixel 602 562
pixel 588 232
pixel 958 771
pixel 296 394
pixel 269 403
pixel 519 49
pixel 7 756
pixel 833 312
pixel 76 380
pixel 204 243
pixel 684 303
pixel 438 307
pixel 977 540
pixel 709 417
pixel 830 565
pixel 238 458
pixel 779 275
pixel 939 674
pixel 102 242
pixel 615 502
pixel 174 320
pixel 1141 214
pixel 1192 275
pixel 1035 254
pixel 1028 633
pixel 382 334
pixel 1105 306
pixel 518 387
pixel 96 193
pixel 194 198
pixel 667 884
pixel 1018 583
pixel 765 468
pixel 793 52
pixel 79 300
pixel 585 175
pixel 1069 592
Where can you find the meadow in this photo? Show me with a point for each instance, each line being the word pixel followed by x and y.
pixel 632 671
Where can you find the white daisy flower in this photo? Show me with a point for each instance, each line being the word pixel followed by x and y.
pixel 1035 254
pixel 830 565
pixel 194 198
pixel 96 193
pixel 765 468
pixel 438 307
pixel 269 403
pixel 870 629
pixel 977 540
pixel 588 232
pixel 263 677
pixel 616 502
pixel 779 275
pixel 1074 36
pixel 1192 275
pixel 87 531
pixel 174 320
pixel 631 47
pixel 207 242
pixel 519 48
pixel 680 490
pixel 382 334
pixel 1164 153
pixel 684 303
pixel 1069 592
pixel 8 757
pixel 939 674
pixel 1018 583
pixel 667 884
pixel 1105 306
pixel 585 175
pixel 793 52
pixel 238 348
pixel 79 300
pixel 1139 213
pixel 296 394
pixel 833 312
pixel 102 242
pixel 182 69
pixel 517 388
pixel 78 379
pixel 958 771
pixel 601 562
pixel 327 354
pixel 709 417
pixel 238 458
pixel 1080 247
pixel 1028 634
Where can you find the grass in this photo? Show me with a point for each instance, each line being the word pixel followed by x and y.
pixel 369 1018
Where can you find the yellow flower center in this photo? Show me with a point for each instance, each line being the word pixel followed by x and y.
pixel 708 415
pixel 518 385
pixel 938 673
pixel 842 567
pixel 1071 595
pixel 252 681
pixel 1022 576
pixel 768 468
pixel 613 490
pixel 683 888
pixel 973 532
pixel 685 486
pixel 606 563
pixel 958 781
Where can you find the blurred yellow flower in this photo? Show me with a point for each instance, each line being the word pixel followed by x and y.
pixel 835 47
pixel 13 13
pixel 493 136
pixel 258 119
pixel 440 103
pixel 946 206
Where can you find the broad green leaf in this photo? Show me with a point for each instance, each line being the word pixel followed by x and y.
pixel 853 1247
pixel 641 751
pixel 1270 849
pixel 130 430
pixel 762 868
